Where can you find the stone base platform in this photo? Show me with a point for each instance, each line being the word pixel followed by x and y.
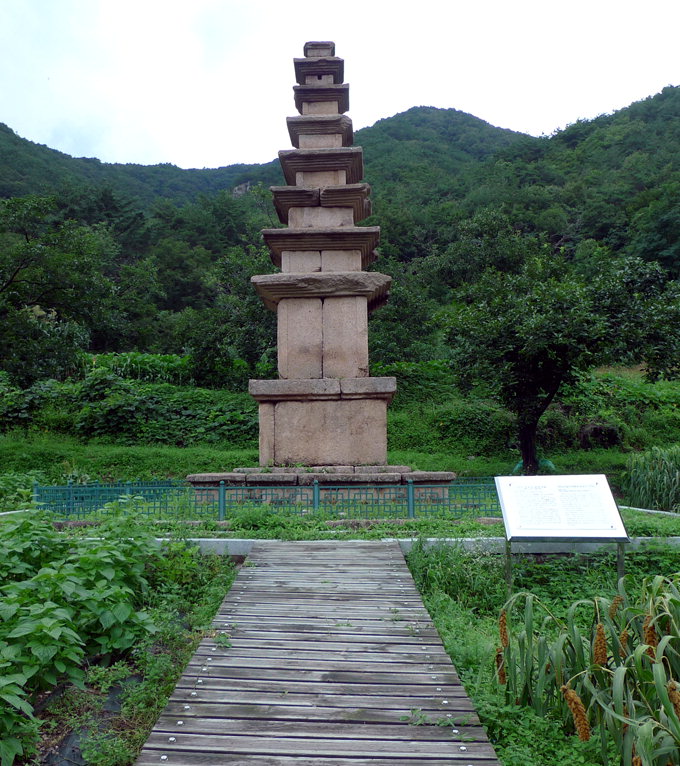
pixel 330 475
pixel 333 421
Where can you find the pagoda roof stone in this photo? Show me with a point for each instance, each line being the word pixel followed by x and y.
pixel 320 93
pixel 347 158
pixel 349 195
pixel 323 388
pixel 320 125
pixel 362 238
pixel 323 284
pixel 319 67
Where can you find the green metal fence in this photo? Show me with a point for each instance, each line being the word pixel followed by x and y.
pixel 168 500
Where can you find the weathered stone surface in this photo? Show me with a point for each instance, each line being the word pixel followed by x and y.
pixel 341 260
pixel 349 159
pixel 432 477
pixel 316 48
pixel 349 478
pixel 274 288
pixel 266 435
pixel 213 479
pixel 345 337
pixel 328 141
pixel 275 479
pixel 331 432
pixel 308 98
pixel 349 195
pixel 363 238
pixel 319 67
pixel 363 387
pixel 298 261
pixel 354 196
pixel 326 124
pixel 318 107
pixel 299 337
pixel 300 389
pixel 394 469
pixel 319 217
pixel 318 178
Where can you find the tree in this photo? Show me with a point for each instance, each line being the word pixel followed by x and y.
pixel 53 287
pixel 526 334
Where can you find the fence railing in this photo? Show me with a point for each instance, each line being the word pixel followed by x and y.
pixel 177 500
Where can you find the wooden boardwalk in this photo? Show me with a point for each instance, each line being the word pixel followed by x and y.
pixel 333 661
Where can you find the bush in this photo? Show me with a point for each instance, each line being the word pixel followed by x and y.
pixel 150 368
pixel 464 426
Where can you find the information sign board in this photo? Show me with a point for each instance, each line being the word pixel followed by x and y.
pixel 559 508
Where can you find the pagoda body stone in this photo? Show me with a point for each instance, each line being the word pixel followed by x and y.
pixel 324 410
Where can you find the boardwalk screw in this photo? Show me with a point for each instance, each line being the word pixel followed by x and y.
pixel 200 681
pixel 172 739
pixel 205 667
pixel 187 707
pixel 164 758
pixel 453 731
pixel 439 688
pixel 193 694
pixel 463 748
pixel 445 702
pixel 180 723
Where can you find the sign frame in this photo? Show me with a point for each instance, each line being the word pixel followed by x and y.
pixel 565 508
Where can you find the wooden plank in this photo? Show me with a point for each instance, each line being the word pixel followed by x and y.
pixel 152 758
pixel 310 746
pixel 329 727
pixel 309 712
pixel 362 695
pixel 332 659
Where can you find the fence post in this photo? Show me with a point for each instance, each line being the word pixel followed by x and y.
pixel 36 493
pixel 411 499
pixel 69 497
pixel 221 501
pixel 316 495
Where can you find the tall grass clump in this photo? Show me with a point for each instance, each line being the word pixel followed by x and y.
pixel 610 666
pixel 653 479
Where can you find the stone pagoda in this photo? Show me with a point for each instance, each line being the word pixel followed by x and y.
pixel 323 422
pixel 324 410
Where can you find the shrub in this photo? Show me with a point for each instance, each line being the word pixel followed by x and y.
pixel 464 426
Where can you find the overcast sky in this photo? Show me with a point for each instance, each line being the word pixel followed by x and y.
pixel 206 83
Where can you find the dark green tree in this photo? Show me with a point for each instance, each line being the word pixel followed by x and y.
pixel 525 334
pixel 53 287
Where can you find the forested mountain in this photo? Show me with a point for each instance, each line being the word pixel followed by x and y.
pixel 28 168
pixel 157 258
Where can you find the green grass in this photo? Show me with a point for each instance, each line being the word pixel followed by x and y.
pixel 61 457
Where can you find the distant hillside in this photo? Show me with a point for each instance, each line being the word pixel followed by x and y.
pixel 397 150
pixel 28 168
pixel 613 180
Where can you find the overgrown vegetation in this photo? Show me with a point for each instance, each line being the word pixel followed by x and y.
pixel 79 615
pixel 528 716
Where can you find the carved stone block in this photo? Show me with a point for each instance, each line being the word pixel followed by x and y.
pixel 345 337
pixel 299 338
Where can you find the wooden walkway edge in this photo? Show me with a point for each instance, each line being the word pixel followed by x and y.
pixel 322 655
